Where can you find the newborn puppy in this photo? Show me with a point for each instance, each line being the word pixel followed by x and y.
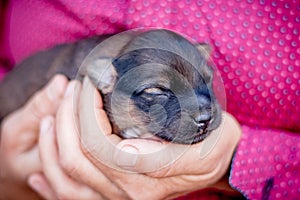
pixel 159 83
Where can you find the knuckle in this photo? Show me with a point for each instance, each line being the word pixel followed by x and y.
pixel 69 166
pixel 63 194
pixel 37 104
pixel 160 173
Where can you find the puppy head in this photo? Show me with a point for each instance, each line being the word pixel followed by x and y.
pixel 163 91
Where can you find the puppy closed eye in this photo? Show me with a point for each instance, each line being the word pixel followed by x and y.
pixel 153 93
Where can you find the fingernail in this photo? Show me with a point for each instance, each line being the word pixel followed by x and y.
pixel 70 89
pixel 46 124
pixel 34 184
pixel 127 156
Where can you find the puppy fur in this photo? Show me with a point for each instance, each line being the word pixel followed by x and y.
pixel 159 83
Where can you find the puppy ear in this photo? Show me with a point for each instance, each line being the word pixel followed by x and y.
pixel 204 49
pixel 102 74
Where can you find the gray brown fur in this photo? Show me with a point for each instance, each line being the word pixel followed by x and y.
pixel 159 83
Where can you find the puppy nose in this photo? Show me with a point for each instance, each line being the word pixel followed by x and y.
pixel 202 119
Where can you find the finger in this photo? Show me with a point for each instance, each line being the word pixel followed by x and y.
pixel 213 155
pixel 39 184
pixel 90 100
pixel 139 186
pixel 149 156
pixel 101 117
pixel 28 162
pixel 62 184
pixel 166 159
pixel 70 153
pixel 44 102
pixel 96 133
pixel 20 140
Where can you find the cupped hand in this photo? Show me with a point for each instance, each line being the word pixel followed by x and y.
pixel 136 168
pixel 19 134
pixel 59 179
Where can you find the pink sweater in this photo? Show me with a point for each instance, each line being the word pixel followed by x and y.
pixel 256 47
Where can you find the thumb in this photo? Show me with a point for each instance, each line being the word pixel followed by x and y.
pixel 40 184
pixel 44 102
pixel 146 156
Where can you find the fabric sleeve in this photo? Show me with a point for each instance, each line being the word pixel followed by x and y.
pixel 266 164
pixel 6 63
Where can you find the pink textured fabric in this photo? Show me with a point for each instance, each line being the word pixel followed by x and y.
pixel 256 47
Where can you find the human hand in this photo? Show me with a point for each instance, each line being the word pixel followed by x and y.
pixel 54 183
pixel 19 133
pixel 171 169
pixel 199 166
